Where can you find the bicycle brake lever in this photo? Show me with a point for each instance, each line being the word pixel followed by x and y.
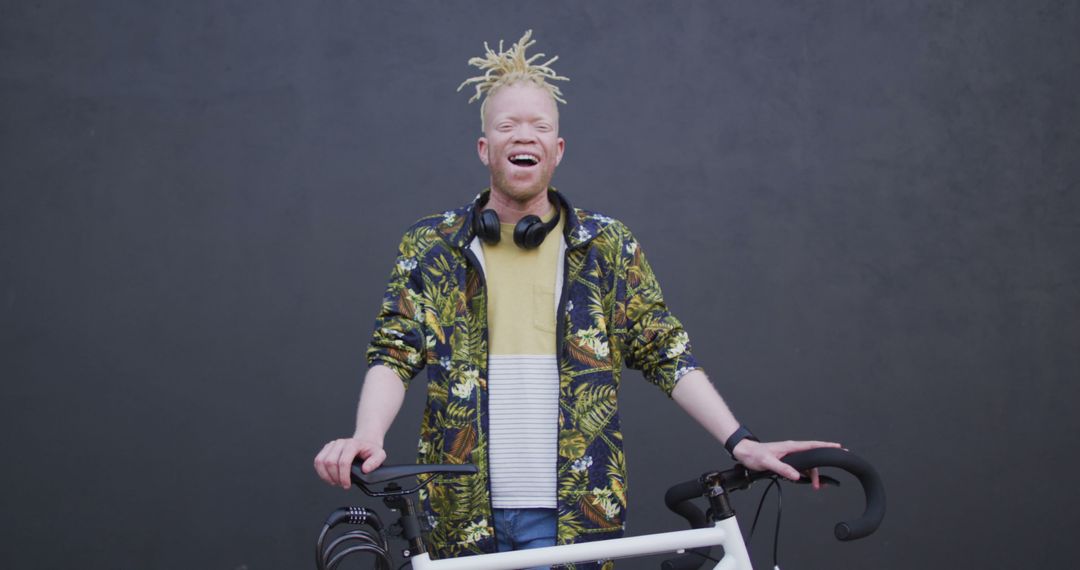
pixel 825 480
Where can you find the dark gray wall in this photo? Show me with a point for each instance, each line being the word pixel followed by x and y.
pixel 866 214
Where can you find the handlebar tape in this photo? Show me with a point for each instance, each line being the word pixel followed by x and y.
pixel 678 500
pixel 873 489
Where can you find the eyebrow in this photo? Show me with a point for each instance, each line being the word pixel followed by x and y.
pixel 517 118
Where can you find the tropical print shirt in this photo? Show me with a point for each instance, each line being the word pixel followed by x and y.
pixel 611 313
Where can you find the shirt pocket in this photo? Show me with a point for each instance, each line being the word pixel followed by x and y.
pixel 543 308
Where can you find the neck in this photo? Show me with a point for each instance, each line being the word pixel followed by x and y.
pixel 511 210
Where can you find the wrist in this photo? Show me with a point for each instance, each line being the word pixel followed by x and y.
pixel 744 451
pixel 740 435
pixel 366 437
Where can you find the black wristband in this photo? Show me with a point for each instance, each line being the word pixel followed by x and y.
pixel 733 440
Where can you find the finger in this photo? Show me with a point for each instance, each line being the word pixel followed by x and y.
pixel 793 446
pixel 373 461
pixel 321 464
pixel 344 464
pixel 330 460
pixel 782 469
pixel 815 480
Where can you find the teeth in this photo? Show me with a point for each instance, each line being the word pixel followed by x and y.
pixel 527 157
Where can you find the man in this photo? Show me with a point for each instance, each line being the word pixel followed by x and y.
pixel 524 344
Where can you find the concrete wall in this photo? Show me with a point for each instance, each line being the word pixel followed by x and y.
pixel 865 213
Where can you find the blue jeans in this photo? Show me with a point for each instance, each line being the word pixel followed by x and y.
pixel 519 529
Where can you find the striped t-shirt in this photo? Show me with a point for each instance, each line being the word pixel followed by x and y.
pixel 523 372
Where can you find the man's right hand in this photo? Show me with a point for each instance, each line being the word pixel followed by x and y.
pixel 334 462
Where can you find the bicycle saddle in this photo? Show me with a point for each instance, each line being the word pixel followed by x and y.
pixel 392 472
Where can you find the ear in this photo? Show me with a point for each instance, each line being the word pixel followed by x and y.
pixel 481 149
pixel 559 148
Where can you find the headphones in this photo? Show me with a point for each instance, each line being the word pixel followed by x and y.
pixel 529 232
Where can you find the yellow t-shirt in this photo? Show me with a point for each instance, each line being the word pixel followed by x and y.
pixel 521 293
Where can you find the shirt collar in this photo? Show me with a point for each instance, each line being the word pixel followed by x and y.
pixel 579 229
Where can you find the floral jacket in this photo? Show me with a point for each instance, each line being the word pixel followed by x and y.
pixel 611 312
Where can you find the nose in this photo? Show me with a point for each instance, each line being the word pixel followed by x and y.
pixel 524 133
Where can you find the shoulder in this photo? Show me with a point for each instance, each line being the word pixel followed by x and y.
pixel 439 228
pixel 600 229
pixel 446 222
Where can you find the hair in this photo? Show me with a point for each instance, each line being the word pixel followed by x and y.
pixel 509 67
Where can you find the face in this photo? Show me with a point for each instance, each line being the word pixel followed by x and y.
pixel 521 144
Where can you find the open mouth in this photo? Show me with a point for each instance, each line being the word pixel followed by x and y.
pixel 524 159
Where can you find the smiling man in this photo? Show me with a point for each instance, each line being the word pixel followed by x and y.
pixel 524 310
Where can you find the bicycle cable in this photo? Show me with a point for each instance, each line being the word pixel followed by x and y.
pixel 779 512
pixel 705 556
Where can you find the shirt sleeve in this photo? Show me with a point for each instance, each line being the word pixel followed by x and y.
pixel 398 341
pixel 656 342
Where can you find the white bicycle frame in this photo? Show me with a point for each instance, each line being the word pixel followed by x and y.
pixel 714 485
pixel 725 533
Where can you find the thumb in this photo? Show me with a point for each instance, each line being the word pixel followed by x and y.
pixel 373 461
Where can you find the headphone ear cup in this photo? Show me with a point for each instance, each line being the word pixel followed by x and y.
pixel 487 227
pixel 530 232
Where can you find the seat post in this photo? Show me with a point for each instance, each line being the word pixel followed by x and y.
pixel 410 522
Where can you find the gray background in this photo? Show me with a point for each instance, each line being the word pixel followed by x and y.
pixel 864 212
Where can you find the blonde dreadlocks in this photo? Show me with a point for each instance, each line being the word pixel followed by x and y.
pixel 509 67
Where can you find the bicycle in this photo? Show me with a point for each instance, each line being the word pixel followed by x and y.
pixel 715 527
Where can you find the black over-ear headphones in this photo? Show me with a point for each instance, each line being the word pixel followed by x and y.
pixel 529 232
